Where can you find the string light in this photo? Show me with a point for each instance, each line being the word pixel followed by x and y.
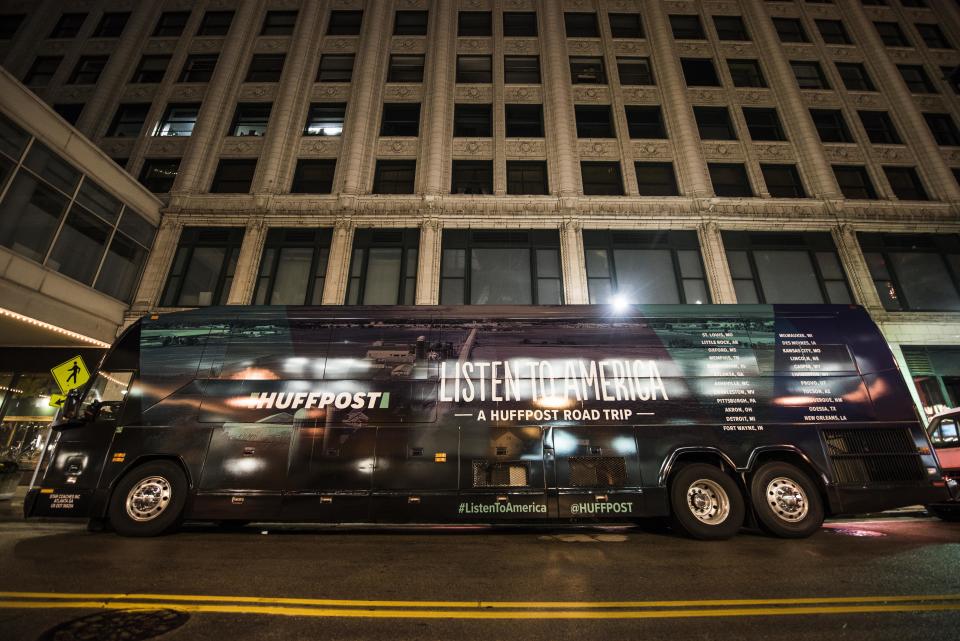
pixel 52 328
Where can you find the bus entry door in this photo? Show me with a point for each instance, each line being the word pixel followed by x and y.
pixel 595 473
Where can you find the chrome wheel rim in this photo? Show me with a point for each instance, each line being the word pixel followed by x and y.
pixel 787 500
pixel 149 498
pixel 708 502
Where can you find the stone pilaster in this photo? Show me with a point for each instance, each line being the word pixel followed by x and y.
pixel 428 262
pixel 338 264
pixel 913 128
pixel 715 262
pixel 573 264
pixel 691 168
pixel 36 28
pixel 436 130
pixel 855 266
pixel 248 262
pixel 158 265
pixel 558 113
pixel 820 181
pixel 218 101
pixel 369 71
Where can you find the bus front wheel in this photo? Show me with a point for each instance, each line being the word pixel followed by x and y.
pixel 706 503
pixel 787 501
pixel 149 500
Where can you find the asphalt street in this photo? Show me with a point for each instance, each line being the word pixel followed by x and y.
pixel 879 578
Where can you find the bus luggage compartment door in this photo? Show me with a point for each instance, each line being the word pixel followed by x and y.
pixel 415 474
pixel 502 475
pixel 596 472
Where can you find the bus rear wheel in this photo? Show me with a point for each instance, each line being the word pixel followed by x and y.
pixel 706 503
pixel 149 500
pixel 787 501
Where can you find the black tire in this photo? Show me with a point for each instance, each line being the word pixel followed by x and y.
pixel 786 521
pixel 948 513
pixel 684 513
pixel 169 481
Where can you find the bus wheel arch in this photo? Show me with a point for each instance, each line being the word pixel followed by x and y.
pixel 707 500
pixel 787 495
pixel 150 497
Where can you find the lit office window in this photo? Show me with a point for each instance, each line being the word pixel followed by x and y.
pixel 915 272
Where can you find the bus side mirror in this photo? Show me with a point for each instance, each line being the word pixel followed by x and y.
pixel 70 404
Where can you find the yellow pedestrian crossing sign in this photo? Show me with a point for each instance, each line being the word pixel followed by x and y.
pixel 70 374
pixel 57 400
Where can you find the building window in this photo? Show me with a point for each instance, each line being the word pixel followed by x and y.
pixel 936 375
pixel 731 28
pixel 203 267
pixel 158 174
pixel 601 178
pixel 126 256
pixel 293 267
pixel 500 267
pixel 581 25
pixel 730 180
pixel 714 123
pixel 855 76
pixel 831 125
pixel 250 119
pixel 128 121
pixel 42 70
pixel 198 67
pixel 645 122
pixel 783 181
pixel 933 37
pixel 400 119
pixel 111 25
pixel 473 177
pixel 179 120
pixel 521 70
pixel 151 69
pixel 383 268
pixel 763 123
pixel 644 267
pixel 527 177
pixel 916 79
pixel 472 121
pixel 914 272
pixel 879 127
pixel 524 121
pixel 833 32
pixel 394 176
pixel 88 70
pixel 410 23
pixel 474 23
pixel 405 69
pixel 279 23
pixel 586 70
pixel 345 23
pixel 790 30
pixel 746 73
pixel 10 24
pixel 68 26
pixel 687 27
pixel 656 179
pixel 265 68
pixel 635 71
pixel 233 176
pixel 891 34
pixel 69 111
pixel 776 267
pixel 626 25
pixel 313 176
pixel 943 129
pixel 594 121
pixel 325 119
pixel 809 75
pixel 475 69
pixel 699 72
pixel 171 24
pixel 337 68
pixel 854 182
pixel 519 24
pixel 215 23
pixel 905 183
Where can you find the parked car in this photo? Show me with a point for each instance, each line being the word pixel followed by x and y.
pixel 944 431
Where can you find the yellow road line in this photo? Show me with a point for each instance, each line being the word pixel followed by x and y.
pixel 482 614
pixel 585 605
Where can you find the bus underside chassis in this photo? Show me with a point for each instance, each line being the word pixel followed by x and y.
pixel 708 503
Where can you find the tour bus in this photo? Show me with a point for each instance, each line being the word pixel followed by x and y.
pixel 717 416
